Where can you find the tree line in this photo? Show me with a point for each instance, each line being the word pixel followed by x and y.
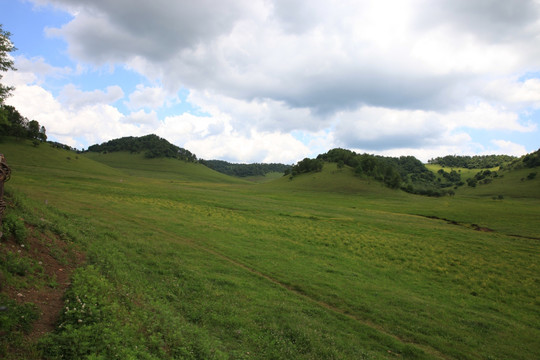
pixel 244 170
pixel 472 162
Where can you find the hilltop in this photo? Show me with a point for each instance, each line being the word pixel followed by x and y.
pixel 152 145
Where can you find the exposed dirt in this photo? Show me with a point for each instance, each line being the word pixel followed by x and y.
pixel 481 228
pixel 58 260
pixel 453 222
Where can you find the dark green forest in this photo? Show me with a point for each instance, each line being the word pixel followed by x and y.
pixel 244 170
pixel 472 162
pixel 152 145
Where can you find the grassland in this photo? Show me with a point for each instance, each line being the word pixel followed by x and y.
pixel 183 262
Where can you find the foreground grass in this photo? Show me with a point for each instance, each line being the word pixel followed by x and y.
pixel 194 269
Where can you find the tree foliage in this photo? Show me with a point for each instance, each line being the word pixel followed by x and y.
pixel 532 160
pixel 306 166
pixel 472 162
pixel 152 145
pixel 243 170
pixel 16 125
pixel 6 63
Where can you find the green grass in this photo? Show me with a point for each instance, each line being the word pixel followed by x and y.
pixel 187 263
pixel 163 168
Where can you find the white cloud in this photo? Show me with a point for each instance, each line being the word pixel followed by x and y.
pixel 381 129
pixel 487 117
pixel 389 76
pixel 39 68
pixel 266 115
pixel 150 97
pixel 257 147
pixel 376 128
pixel 93 122
pixel 74 98
pixel 102 31
pixel 33 71
pixel 213 137
pixel 515 93
pixel 318 55
pixel 141 117
pixel 507 147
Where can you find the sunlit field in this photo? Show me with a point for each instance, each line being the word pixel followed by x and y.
pixel 186 263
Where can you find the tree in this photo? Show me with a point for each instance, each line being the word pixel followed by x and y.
pixel 6 46
pixel 33 129
pixel 42 135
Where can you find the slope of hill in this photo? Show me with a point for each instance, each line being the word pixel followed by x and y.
pixel 515 183
pixel 24 154
pixel 137 164
pixel 405 172
pixel 332 179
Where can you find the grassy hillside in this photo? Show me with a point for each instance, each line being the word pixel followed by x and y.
pixel 514 183
pixel 324 266
pixel 22 155
pixel 332 180
pixel 165 168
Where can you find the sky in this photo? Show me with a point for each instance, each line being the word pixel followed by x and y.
pixel 280 80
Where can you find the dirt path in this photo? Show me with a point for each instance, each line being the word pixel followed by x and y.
pixel 58 260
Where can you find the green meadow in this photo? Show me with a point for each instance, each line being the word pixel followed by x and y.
pixel 183 262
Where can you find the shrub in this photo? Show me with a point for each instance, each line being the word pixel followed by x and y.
pixel 14 226
pixel 16 264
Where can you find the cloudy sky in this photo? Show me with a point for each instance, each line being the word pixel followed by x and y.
pixel 279 80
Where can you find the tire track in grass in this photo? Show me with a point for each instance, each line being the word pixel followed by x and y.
pixel 429 350
pixel 290 288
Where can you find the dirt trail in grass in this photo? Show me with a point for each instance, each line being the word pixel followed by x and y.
pixel 58 261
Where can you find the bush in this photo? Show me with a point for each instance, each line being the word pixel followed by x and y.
pixel 14 226
pixel 16 264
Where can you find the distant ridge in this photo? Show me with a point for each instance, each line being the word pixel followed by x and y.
pixel 411 175
pixel 473 162
pixel 152 145
pixel 244 170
